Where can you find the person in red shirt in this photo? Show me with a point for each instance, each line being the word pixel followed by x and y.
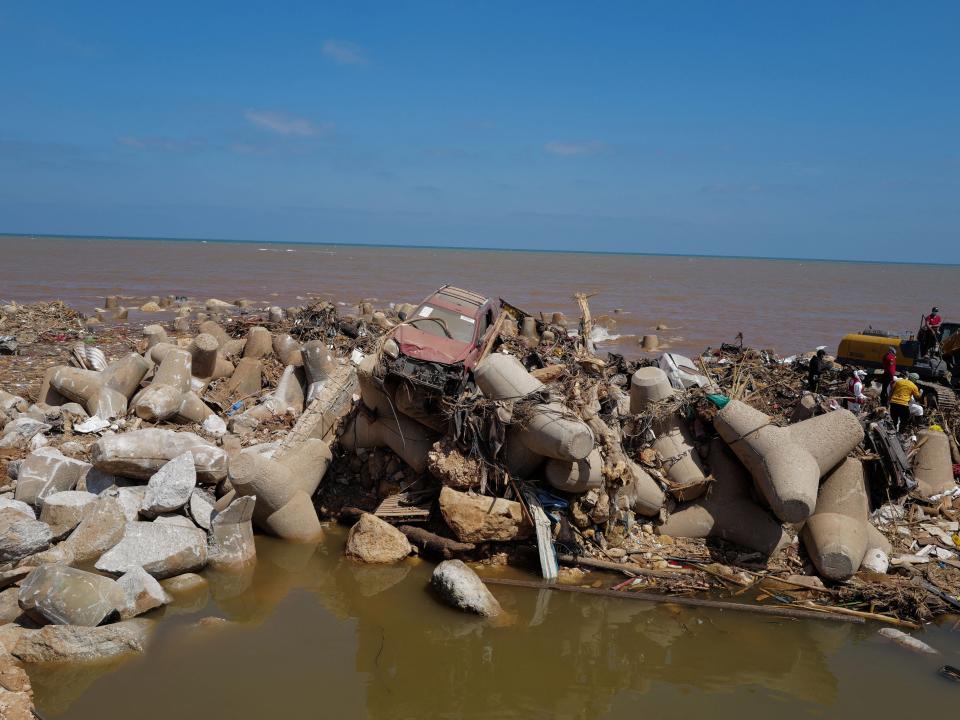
pixel 889 373
pixel 930 332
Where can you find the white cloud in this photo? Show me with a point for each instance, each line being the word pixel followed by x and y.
pixel 567 149
pixel 286 124
pixel 344 53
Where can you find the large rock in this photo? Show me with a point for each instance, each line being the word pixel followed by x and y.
pixel 458 585
pixel 100 529
pixel 231 537
pixel 141 592
pixel 18 433
pixel 141 453
pixel 16 693
pixel 479 518
pixel 75 644
pixel 162 550
pixel 448 465
pixel 63 511
pixel 21 536
pixel 200 507
pixel 372 540
pixel 170 487
pixel 66 596
pixel 45 472
pixel 20 507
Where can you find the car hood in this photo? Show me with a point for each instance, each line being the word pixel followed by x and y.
pixel 421 345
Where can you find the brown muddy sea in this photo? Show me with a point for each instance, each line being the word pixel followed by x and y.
pixel 786 305
pixel 316 636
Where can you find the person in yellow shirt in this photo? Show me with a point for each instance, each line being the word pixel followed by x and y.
pixel 903 390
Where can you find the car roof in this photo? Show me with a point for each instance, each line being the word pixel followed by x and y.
pixel 459 296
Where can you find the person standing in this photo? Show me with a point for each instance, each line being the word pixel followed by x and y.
pixel 889 365
pixel 855 391
pixel 903 390
pixel 818 364
pixel 930 332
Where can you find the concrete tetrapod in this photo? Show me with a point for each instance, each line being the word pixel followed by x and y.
pixel 577 477
pixel 673 440
pixel 283 488
pixel 104 394
pixel 932 465
pixel 384 425
pixel 286 399
pixel 550 429
pixel 259 343
pixel 727 512
pixel 836 535
pixel 162 398
pixel 141 453
pixel 207 362
pixel 787 463
pixel 318 364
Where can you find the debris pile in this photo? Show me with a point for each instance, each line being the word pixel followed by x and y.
pixel 462 429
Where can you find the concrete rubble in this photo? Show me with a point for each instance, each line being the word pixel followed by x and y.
pixel 128 474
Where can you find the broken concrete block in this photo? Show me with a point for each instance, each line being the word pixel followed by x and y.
pixel 63 511
pixel 141 453
pixel 21 536
pixel 932 465
pixel 47 471
pixel 459 586
pixel 100 529
pixel 727 512
pixel 141 593
pixel 231 539
pixel 577 477
pixel 66 596
pixel 18 433
pixel 170 487
pixel 836 535
pixel 371 540
pixel 547 428
pixel 200 506
pixel 283 488
pixel 162 550
pixel 479 518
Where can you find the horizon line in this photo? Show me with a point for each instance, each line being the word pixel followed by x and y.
pixel 473 248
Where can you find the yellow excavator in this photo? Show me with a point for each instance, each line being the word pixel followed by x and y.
pixel 939 369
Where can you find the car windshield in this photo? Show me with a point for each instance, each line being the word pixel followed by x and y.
pixel 427 318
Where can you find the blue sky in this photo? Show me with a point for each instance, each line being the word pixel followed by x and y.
pixel 825 130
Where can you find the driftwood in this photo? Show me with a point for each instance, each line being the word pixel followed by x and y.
pixel 776 611
pixel 625 568
pixel 435 545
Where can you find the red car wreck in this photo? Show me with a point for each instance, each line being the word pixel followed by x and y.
pixel 432 352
